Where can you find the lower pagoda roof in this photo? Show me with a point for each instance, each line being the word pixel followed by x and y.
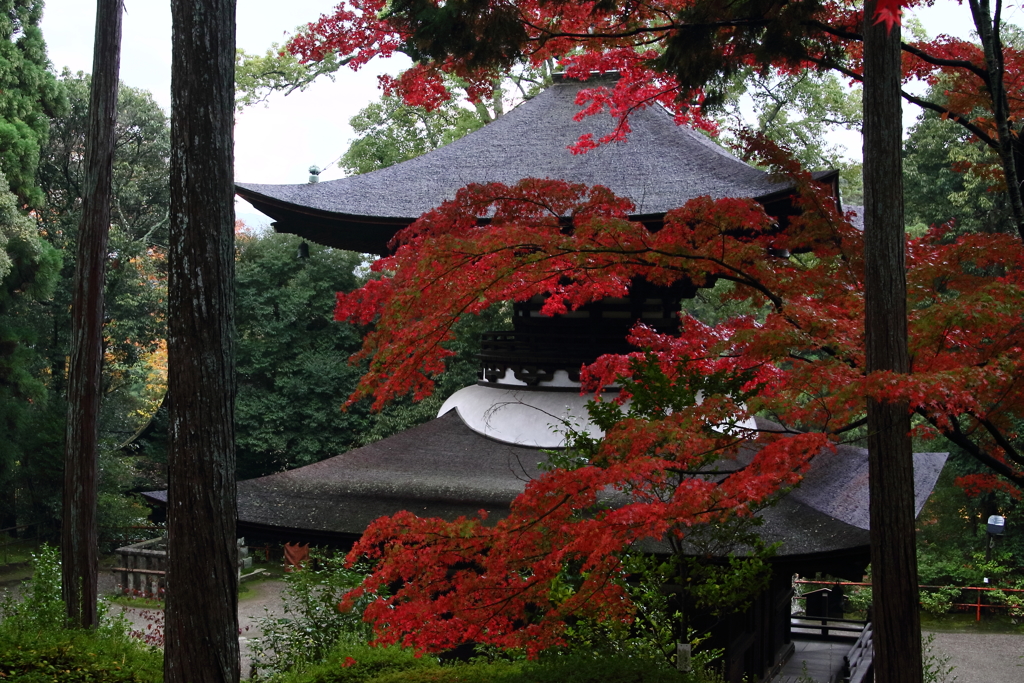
pixel 660 167
pixel 446 469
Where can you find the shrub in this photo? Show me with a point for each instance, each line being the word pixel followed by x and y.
pixel 939 601
pixel 365 664
pixel 70 656
pixel 357 663
pixel 312 624
pixel 37 648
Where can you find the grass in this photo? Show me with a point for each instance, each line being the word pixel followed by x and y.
pixel 69 656
pixel 962 622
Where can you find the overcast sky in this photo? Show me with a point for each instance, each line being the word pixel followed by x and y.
pixel 279 142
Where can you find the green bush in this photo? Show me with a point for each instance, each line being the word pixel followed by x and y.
pixel 37 648
pixel 311 625
pixel 353 663
pixel 365 664
pixel 938 601
pixel 70 656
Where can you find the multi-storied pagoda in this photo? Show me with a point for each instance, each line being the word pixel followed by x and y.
pixel 488 438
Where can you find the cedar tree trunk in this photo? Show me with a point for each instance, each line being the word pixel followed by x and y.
pixel 201 631
pixel 78 526
pixel 897 640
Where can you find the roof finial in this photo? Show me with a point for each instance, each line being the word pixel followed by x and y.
pixel 314 174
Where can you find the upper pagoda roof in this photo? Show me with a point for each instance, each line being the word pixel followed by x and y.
pixel 660 167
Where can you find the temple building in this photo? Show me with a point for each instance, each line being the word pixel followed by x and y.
pixel 489 438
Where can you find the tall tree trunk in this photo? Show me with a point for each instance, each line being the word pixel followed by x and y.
pixel 988 27
pixel 201 628
pixel 78 526
pixel 893 551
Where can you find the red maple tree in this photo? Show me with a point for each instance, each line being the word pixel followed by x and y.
pixel 807 357
pixel 803 364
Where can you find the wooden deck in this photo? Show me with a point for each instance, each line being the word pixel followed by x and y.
pixel 823 662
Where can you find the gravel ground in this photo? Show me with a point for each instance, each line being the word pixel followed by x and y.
pixel 982 657
pixel 263 598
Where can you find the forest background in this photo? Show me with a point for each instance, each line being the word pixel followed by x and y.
pixel 292 357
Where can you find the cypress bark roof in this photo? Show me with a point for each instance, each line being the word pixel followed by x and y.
pixel 660 167
pixel 445 469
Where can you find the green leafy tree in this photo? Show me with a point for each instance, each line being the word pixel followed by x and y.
pixel 277 70
pixel 293 369
pixel 29 269
pixel 136 273
pixel 390 131
pixel 945 179
pixel 29 96
pixel 801 112
pixel 37 315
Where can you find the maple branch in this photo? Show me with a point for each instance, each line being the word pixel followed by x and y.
pixel 545 34
pixel 978 71
pixel 853 425
pixel 1001 440
pixel 958 118
pixel 957 436
pixel 942 61
pixel 923 103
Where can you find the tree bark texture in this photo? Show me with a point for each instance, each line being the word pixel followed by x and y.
pixel 201 629
pixel 78 525
pixel 897 639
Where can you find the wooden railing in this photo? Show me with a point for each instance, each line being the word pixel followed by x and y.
pixel 859 660
pixel 826 628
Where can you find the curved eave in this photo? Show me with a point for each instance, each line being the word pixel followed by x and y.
pixel 366 234
pixel 373 234
pixel 661 167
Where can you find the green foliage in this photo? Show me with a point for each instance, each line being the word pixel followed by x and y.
pixel 938 601
pixel 721 302
pixel 29 96
pixel 952 541
pixel 937 667
pixel 37 648
pixel 257 76
pixel 797 111
pixel 292 358
pixel 135 295
pixel 117 512
pixel 133 380
pixel 390 131
pixel 42 607
pixel 364 664
pixel 29 269
pixel 859 599
pixel 133 373
pixel 140 180
pixel 369 663
pixel 941 180
pixel 461 370
pixel 312 624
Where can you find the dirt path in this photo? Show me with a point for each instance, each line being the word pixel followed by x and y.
pixel 262 599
